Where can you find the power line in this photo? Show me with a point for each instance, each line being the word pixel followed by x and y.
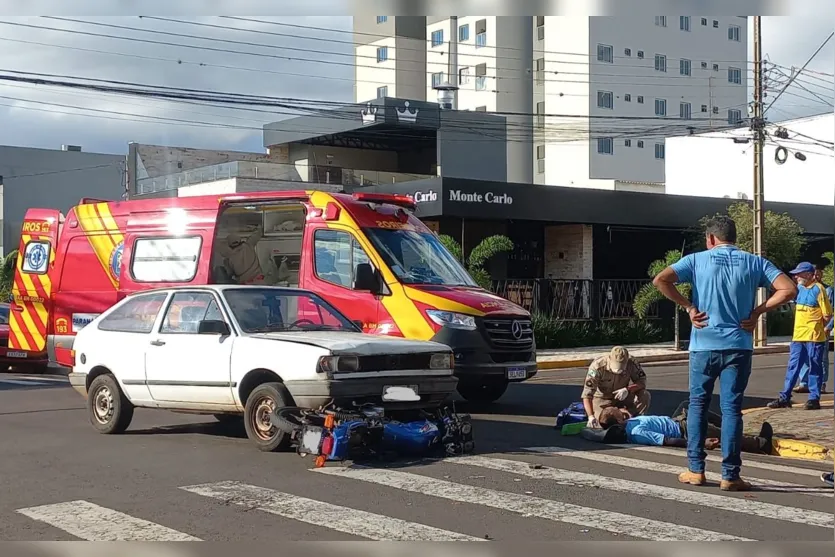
pixel 828 38
pixel 60 171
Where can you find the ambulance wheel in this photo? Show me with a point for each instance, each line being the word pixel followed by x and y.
pixel 110 410
pixel 486 391
pixel 264 400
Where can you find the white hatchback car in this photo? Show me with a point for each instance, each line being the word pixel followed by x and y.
pixel 246 350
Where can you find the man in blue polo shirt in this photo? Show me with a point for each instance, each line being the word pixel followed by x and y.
pixel 724 315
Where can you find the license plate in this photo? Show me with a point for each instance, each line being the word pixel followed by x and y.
pixel 517 373
pixel 401 393
pixel 17 354
pixel 311 441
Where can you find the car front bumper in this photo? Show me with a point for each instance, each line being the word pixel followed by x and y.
pixel 432 390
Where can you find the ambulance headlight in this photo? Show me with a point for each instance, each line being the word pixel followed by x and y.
pixel 451 319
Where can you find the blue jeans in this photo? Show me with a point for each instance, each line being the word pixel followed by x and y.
pixel 800 354
pixel 804 373
pixel 732 368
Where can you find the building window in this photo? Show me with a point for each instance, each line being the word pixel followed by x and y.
pixel 659 150
pixel 382 54
pixel 464 76
pixel 481 109
pixel 684 22
pixel 481 77
pixel 481 33
pixel 627 98
pixel 540 114
pixel 437 79
pixel 382 19
pixel 716 24
pixel 660 63
pixel 704 21
pixel 627 143
pixel 704 65
pixel 605 53
pixel 437 38
pixel 463 33
pixel 716 67
pixel 684 67
pixel 540 71
pixel 733 33
pixel 627 52
pixel 605 146
pixel 640 99
pixel 540 159
pixel 716 110
pixel 540 27
pixel 382 92
pixel 661 20
pixel 684 111
pixel 641 54
pixel 640 145
pixel 735 76
pixel 734 117
pixel 605 99
pixel 660 107
pixel 704 108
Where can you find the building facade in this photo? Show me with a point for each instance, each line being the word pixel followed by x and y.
pixel 599 95
pixel 55 179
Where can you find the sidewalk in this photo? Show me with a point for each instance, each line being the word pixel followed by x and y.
pixel 644 353
pixel 798 433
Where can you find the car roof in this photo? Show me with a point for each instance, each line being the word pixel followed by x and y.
pixel 222 287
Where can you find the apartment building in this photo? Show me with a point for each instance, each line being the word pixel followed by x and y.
pixel 603 93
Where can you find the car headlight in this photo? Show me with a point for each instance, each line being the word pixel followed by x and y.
pixel 336 364
pixel 441 361
pixel 451 319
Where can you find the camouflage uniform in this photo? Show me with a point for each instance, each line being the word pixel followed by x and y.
pixel 601 383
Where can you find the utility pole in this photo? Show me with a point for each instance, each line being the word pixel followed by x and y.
pixel 758 127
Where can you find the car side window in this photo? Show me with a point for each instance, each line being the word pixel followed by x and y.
pixel 137 315
pixel 187 310
pixel 336 256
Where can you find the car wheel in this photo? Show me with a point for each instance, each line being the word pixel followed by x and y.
pixel 488 391
pixel 264 400
pixel 110 411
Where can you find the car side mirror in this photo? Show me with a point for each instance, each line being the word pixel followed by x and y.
pixel 367 278
pixel 213 327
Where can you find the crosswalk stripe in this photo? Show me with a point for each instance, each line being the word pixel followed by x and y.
pixel 529 506
pixel 342 519
pixel 748 463
pixel 606 457
pixel 91 522
pixel 733 504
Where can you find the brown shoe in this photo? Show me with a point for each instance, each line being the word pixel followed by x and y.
pixel 692 478
pixel 734 485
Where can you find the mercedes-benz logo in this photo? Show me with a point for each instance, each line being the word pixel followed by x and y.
pixel 516 330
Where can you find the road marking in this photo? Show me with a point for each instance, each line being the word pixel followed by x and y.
pixel 582 479
pixel 342 519
pixel 93 523
pixel 713 458
pixel 529 506
pixel 606 457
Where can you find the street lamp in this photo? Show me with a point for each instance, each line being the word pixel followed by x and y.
pixel 447 95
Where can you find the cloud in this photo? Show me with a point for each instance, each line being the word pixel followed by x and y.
pixel 275 71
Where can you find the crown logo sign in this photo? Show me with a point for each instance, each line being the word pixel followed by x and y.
pixel 407 115
pixel 369 114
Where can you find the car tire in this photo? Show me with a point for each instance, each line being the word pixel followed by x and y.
pixel 487 391
pixel 264 400
pixel 110 410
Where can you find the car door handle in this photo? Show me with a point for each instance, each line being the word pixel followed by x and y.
pixel 157 343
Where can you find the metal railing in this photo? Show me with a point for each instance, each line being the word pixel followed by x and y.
pixel 578 300
pixel 314 174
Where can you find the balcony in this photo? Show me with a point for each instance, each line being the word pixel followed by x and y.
pixel 302 173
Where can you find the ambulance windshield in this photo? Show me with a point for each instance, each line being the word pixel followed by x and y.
pixel 418 258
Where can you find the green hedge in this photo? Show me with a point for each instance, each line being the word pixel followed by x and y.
pixel 555 333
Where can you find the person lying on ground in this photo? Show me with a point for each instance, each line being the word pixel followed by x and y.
pixel 615 380
pixel 665 431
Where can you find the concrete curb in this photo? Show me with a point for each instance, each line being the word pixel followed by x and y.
pixel 799 450
pixel 658 358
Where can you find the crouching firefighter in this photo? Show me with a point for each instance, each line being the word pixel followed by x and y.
pixel 615 380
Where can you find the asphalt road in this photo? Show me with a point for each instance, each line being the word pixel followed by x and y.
pixel 179 477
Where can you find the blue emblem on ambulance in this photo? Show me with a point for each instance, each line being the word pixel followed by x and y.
pixel 116 260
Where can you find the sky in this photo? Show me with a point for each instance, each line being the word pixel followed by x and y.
pixel 39 116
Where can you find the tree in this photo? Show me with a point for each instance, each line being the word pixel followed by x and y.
pixel 648 294
pixel 828 279
pixel 7 269
pixel 486 249
pixel 782 236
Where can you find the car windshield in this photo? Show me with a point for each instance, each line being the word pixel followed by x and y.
pixel 264 310
pixel 418 257
pixel 4 315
